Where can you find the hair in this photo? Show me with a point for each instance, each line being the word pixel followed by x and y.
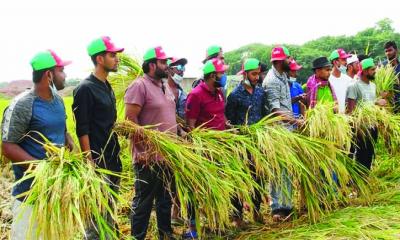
pixel 208 75
pixel 38 75
pixel 93 57
pixel 211 57
pixel 146 65
pixel 362 57
pixel 389 44
pixel 263 67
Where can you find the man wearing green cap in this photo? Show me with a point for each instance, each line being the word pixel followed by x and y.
pixel 205 107
pixel 364 91
pixel 39 110
pixel 339 80
pixel 148 101
pixel 212 52
pixel 94 107
pixel 246 105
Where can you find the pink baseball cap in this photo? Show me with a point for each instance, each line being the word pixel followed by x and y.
pixel 294 66
pixel 279 53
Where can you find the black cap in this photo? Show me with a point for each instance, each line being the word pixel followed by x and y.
pixel 321 62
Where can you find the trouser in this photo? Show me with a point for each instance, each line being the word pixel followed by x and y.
pixel 256 199
pixel 281 195
pixel 92 233
pixel 364 150
pixel 151 184
pixel 20 227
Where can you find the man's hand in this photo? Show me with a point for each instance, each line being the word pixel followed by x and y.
pixel 381 102
pixel 69 142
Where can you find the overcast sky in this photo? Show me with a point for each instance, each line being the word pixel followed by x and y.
pixel 183 28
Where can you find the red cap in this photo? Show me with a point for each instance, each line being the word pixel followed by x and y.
pixel 294 66
pixel 278 54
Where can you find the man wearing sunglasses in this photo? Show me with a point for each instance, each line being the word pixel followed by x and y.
pixel 176 69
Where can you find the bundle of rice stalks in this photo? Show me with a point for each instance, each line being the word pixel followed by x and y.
pixel 129 69
pixel 367 116
pixel 310 163
pixel 68 196
pixel 201 181
pixel 385 79
pixel 322 122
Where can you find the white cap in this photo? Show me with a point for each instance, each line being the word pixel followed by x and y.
pixel 353 58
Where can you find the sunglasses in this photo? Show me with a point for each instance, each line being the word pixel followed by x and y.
pixel 179 67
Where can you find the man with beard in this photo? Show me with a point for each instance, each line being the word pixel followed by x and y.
pixel 148 101
pixel 392 58
pixel 364 91
pixel 338 79
pixel 205 107
pixel 38 110
pixel 353 66
pixel 319 88
pixel 276 85
pixel 95 113
pixel 246 105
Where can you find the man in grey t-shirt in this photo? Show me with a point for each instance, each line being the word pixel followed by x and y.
pixel 364 91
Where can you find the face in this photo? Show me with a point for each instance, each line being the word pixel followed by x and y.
pixel 323 73
pixel 178 69
pixel 109 61
pixel 161 69
pixel 370 73
pixel 58 78
pixel 253 76
pixel 353 67
pixel 390 53
pixel 285 64
pixel 293 74
pixel 339 62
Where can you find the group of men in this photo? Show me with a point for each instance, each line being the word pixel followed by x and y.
pixel 157 99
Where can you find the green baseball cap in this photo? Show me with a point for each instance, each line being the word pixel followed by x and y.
pixel 367 63
pixel 102 44
pixel 47 59
pixel 338 53
pixel 249 64
pixel 214 65
pixel 212 50
pixel 155 53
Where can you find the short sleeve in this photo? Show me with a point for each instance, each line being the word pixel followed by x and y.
pixel 16 120
pixel 192 108
pixel 351 92
pixel 272 90
pixel 136 93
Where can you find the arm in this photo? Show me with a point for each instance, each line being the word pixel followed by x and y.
pixel 15 153
pixel 230 109
pixel 351 104
pixel 69 142
pixel 82 108
pixel 192 110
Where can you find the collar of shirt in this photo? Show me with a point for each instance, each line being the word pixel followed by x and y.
pixel 282 77
pixel 204 86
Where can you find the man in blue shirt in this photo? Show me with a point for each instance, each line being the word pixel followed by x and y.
pixel 296 91
pixel 393 58
pixel 246 105
pixel 41 110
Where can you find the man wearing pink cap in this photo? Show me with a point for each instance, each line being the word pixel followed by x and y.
pixel 296 91
pixel 38 110
pixel 276 86
pixel 148 101
pixel 95 114
pixel 339 79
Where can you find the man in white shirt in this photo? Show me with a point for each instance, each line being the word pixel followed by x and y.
pixel 339 78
